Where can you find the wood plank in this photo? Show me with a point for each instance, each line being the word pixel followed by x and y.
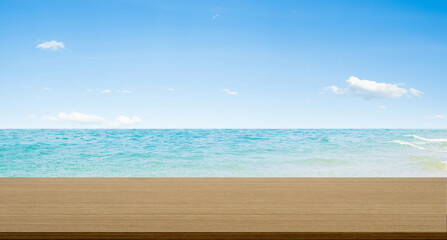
pixel 223 208
pixel 224 236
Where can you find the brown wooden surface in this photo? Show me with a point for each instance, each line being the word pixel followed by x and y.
pixel 225 235
pixel 223 208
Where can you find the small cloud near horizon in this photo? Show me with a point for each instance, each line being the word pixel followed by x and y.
pixel 126 121
pixel 83 118
pixel 106 91
pixel 436 117
pixel 171 89
pixel 50 118
pixel 51 45
pixel 76 117
pixel 371 89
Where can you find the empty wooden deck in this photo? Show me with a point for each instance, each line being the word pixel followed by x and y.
pixel 223 208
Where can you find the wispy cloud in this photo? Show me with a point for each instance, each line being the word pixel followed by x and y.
pixel 84 118
pixel 336 90
pixel 125 121
pixel 436 117
pixel 217 12
pixel 50 118
pixel 106 91
pixel 76 117
pixel 171 89
pixel 51 45
pixel 80 117
pixel 46 88
pixel 229 92
pixel 381 107
pixel 370 89
pixel 415 92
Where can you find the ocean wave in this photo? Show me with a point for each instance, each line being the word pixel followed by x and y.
pixel 428 139
pixel 409 144
pixel 427 146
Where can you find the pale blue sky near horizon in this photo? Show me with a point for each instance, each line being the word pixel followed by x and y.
pixel 223 64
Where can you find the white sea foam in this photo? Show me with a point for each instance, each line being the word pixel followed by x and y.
pixel 408 144
pixel 431 145
pixel 428 139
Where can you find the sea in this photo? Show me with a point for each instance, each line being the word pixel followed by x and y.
pixel 223 153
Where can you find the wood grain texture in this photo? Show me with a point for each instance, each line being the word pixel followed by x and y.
pixel 223 208
pixel 223 236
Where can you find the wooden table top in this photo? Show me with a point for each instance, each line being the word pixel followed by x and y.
pixel 223 208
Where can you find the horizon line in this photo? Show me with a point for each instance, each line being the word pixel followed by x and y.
pixel 222 128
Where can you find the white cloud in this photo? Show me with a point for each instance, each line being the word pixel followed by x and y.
pixel 336 90
pixel 124 120
pixel 31 116
pixel 46 88
pixel 381 107
pixel 50 118
pixel 51 45
pixel 216 16
pixel 229 92
pixel 171 89
pixel 415 92
pixel 77 117
pixel 306 100
pixel 436 117
pixel 371 89
pixel 106 91
pixel 83 118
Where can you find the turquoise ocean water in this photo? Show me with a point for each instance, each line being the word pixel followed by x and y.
pixel 223 153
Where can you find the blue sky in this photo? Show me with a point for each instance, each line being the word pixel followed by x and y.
pixel 223 64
